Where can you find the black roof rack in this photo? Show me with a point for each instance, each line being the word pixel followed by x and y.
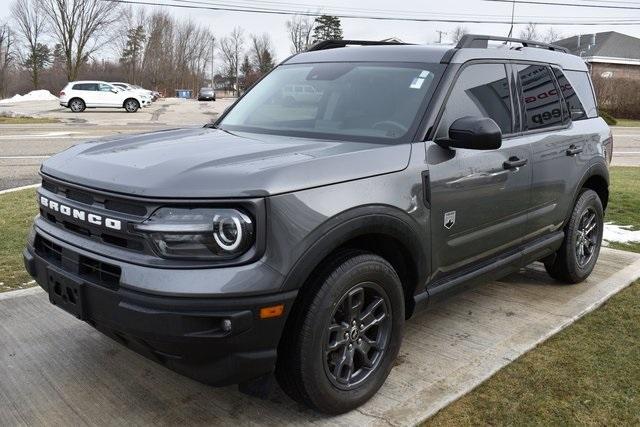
pixel 482 42
pixel 332 44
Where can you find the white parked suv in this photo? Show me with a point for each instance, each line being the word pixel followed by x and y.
pixel 146 95
pixel 96 94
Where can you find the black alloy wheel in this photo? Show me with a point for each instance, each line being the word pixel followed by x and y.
pixel 357 335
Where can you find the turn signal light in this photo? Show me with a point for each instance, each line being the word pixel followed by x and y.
pixel 272 311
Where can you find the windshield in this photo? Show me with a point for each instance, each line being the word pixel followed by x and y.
pixel 352 101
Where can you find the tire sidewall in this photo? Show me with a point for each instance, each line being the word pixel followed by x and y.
pixel 321 391
pixel 588 199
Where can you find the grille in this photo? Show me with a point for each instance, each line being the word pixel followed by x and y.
pixel 123 209
pixel 90 269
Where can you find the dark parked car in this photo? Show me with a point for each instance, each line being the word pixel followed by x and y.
pixel 296 238
pixel 207 94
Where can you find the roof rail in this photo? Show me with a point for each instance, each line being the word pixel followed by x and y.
pixel 332 44
pixel 480 41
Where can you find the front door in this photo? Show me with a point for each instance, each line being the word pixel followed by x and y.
pixel 109 96
pixel 479 198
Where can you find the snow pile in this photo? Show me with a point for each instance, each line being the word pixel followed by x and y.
pixel 620 233
pixel 34 95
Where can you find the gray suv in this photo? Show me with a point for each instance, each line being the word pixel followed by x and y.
pixel 296 238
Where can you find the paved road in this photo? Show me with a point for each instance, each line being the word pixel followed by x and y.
pixel 24 147
pixel 56 370
pixel 626 146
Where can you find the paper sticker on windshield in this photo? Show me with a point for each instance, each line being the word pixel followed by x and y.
pixel 424 74
pixel 416 83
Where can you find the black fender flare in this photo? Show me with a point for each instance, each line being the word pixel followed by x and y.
pixel 597 168
pixel 365 220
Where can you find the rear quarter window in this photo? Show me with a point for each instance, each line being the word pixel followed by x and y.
pixel 578 93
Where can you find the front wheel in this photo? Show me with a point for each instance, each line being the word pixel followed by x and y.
pixel 131 105
pixel 345 334
pixel 77 105
pixel 579 252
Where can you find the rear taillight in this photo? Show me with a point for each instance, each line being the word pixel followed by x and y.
pixel 61 93
pixel 608 147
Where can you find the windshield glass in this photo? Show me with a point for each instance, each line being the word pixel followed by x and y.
pixel 352 101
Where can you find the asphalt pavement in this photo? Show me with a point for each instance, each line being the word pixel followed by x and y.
pixel 23 147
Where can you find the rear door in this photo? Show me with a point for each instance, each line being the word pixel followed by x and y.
pixel 557 143
pixel 479 202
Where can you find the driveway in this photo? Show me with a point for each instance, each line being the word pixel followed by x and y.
pixel 57 370
pixel 626 146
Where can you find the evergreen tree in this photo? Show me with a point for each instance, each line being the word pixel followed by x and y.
pixel 132 53
pixel 36 61
pixel 245 68
pixel 327 27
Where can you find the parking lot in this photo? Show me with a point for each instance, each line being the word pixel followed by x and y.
pixel 24 146
pixel 57 370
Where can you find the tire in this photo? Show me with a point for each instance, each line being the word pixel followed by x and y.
pixel 131 105
pixel 320 323
pixel 77 105
pixel 577 256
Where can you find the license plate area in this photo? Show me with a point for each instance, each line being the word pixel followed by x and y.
pixel 65 292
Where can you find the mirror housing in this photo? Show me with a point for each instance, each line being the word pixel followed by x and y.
pixel 474 133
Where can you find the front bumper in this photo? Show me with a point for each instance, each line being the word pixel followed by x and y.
pixel 218 341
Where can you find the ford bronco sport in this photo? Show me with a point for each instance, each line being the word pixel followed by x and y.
pixel 296 236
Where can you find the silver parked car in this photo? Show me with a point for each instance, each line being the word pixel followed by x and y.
pixel 207 94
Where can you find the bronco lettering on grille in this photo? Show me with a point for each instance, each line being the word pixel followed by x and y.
pixel 80 215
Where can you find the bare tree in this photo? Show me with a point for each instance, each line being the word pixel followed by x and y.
pixel 551 35
pixel 299 29
pixel 262 53
pixel 231 50
pixel 158 60
pixel 81 27
pixel 31 27
pixel 530 32
pixel 458 33
pixel 6 56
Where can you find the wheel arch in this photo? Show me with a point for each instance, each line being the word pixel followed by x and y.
pixel 381 230
pixel 596 179
pixel 131 98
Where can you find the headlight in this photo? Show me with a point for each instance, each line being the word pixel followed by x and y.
pixel 199 233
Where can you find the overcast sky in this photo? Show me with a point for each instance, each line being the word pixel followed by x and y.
pixel 222 22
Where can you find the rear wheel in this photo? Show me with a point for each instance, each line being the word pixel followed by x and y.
pixel 131 105
pixel 77 105
pixel 346 334
pixel 579 252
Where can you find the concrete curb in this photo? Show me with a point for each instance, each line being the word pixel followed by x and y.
pixel 24 187
pixel 22 292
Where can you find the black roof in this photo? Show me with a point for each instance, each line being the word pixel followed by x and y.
pixel 607 44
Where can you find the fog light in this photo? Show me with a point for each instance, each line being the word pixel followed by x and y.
pixel 226 325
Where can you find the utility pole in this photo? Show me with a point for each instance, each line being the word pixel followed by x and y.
pixel 440 34
pixel 212 73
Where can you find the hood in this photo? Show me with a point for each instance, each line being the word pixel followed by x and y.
pixel 211 163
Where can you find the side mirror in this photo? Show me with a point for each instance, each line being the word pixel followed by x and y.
pixel 115 90
pixel 474 133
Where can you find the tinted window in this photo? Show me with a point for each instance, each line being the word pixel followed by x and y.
pixel 481 90
pixel 542 104
pixel 85 86
pixel 577 90
pixel 374 102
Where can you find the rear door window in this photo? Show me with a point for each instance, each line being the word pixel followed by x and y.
pixel 540 98
pixel 578 93
pixel 85 86
pixel 481 90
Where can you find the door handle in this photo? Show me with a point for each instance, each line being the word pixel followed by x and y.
pixel 514 162
pixel 573 150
